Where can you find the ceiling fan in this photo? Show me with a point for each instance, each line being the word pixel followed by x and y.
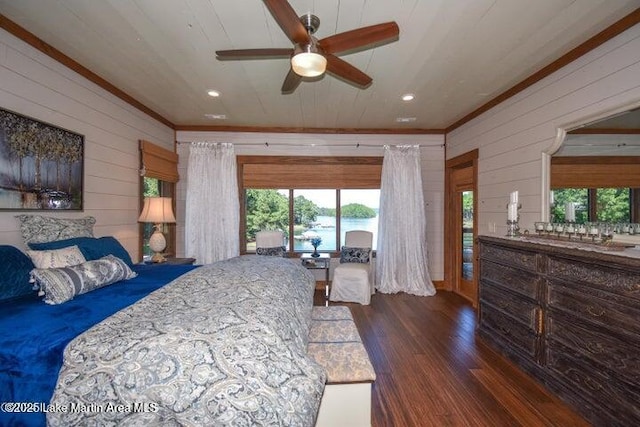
pixel 311 57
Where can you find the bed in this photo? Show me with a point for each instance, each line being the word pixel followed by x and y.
pixel 222 344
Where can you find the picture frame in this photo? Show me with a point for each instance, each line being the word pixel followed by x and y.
pixel 41 165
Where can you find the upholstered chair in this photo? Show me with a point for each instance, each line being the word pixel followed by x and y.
pixel 270 242
pixel 353 278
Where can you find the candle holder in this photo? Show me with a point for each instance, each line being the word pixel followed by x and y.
pixel 593 230
pixel 548 228
pixel 559 229
pixel 581 231
pixel 513 216
pixel 513 228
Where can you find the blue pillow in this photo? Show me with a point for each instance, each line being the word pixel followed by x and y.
pixel 14 273
pixel 274 251
pixel 62 284
pixel 92 248
pixel 354 255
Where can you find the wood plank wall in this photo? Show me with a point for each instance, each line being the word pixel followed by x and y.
pixel 33 84
pixel 512 136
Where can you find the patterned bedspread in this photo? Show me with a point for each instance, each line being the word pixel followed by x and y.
pixel 225 344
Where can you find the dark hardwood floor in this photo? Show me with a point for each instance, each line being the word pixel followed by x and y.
pixel 433 371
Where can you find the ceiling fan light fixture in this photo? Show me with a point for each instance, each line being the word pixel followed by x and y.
pixel 307 61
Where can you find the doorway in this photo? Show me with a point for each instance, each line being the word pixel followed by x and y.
pixel 461 226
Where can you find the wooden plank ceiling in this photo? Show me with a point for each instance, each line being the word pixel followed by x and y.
pixel 454 55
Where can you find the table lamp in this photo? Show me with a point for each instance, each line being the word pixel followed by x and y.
pixel 158 211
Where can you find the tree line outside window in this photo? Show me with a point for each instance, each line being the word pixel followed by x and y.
pixel 614 205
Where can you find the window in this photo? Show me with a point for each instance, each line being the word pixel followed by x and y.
pixel 579 196
pixel 613 205
pixel 308 196
pixel 604 188
pixel 266 209
pixel 159 170
pixel 153 187
pixel 314 213
pixel 309 213
pixel 359 211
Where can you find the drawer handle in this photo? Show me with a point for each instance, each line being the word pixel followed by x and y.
pixel 503 304
pixel 505 330
pixel 595 347
pixel 597 313
pixel 593 385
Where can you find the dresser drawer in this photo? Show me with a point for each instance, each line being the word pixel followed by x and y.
pixel 514 257
pixel 604 399
pixel 512 334
pixel 596 306
pixel 614 280
pixel 523 310
pixel 519 281
pixel 597 345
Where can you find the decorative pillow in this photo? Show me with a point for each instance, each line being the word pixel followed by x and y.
pixel 62 284
pixel 14 273
pixel 359 255
pixel 57 257
pixel 91 247
pixel 274 251
pixel 39 229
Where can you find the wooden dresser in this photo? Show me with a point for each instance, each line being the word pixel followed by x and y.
pixel 570 318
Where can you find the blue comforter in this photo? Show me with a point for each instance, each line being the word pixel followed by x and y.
pixel 33 336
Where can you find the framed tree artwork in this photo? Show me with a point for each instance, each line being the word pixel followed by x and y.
pixel 41 165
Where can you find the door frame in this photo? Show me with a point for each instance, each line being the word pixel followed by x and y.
pixel 453 247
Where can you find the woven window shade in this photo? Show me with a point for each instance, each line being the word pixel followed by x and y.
pixel 310 172
pixel 595 172
pixel 158 162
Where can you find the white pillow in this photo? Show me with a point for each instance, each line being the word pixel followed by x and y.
pixel 57 258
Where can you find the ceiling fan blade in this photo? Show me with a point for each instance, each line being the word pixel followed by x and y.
pixel 347 71
pixel 291 82
pixel 288 20
pixel 360 37
pixel 253 53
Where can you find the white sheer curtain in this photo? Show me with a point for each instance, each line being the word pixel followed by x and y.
pixel 212 219
pixel 401 256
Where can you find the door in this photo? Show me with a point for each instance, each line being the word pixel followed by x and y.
pixel 465 249
pixel 461 226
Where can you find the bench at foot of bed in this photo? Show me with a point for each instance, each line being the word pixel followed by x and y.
pixel 334 343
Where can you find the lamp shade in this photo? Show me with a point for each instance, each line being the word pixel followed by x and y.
pixel 157 210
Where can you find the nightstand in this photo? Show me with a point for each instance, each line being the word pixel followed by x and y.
pixel 318 263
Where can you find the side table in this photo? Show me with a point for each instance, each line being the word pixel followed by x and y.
pixel 318 263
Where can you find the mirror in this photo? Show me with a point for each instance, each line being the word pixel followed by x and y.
pixel 596 171
pixel 618 135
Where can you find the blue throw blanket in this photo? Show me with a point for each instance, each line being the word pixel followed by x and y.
pixel 33 336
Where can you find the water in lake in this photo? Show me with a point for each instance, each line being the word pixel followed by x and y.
pixel 325 228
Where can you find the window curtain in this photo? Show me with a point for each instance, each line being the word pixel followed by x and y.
pixel 401 258
pixel 212 217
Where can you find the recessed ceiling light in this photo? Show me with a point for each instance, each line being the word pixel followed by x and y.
pixel 405 119
pixel 408 97
pixel 216 116
pixel 213 93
